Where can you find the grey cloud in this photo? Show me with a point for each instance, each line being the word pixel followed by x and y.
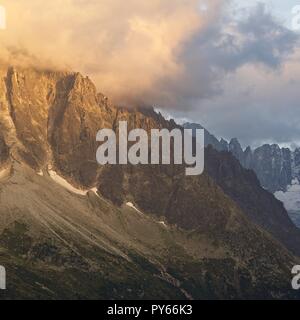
pixel 266 40
pixel 220 88
pixel 224 47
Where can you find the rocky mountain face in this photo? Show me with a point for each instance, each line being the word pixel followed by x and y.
pixel 278 170
pixel 272 164
pixel 70 228
pixel 275 167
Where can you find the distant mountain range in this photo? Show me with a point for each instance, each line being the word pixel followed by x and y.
pixel 276 168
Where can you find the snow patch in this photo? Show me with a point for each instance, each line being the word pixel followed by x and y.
pixel 163 223
pixel 290 198
pixel 40 173
pixel 95 190
pixel 131 205
pixel 64 183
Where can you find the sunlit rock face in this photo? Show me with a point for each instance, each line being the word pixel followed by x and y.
pixel 53 117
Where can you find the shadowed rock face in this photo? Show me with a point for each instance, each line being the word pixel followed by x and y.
pixel 223 217
pixel 4 151
pixel 201 202
pixel 240 184
pixel 259 205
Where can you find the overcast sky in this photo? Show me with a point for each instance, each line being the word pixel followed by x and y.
pixel 231 65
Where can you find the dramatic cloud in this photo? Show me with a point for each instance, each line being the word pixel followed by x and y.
pixel 208 60
pixel 257 106
pixel 227 45
pixel 249 71
pixel 127 47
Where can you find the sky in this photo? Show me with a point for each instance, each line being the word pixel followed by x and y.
pixel 231 65
pixel 280 8
pixel 257 103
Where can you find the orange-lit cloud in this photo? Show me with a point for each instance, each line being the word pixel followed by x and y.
pixel 127 47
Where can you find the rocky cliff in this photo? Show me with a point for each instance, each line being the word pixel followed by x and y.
pixel 272 164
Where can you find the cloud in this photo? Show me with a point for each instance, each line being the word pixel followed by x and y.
pixel 204 59
pixel 127 47
pixel 242 79
pixel 160 52
pixel 257 105
pixel 227 45
pixel 263 39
